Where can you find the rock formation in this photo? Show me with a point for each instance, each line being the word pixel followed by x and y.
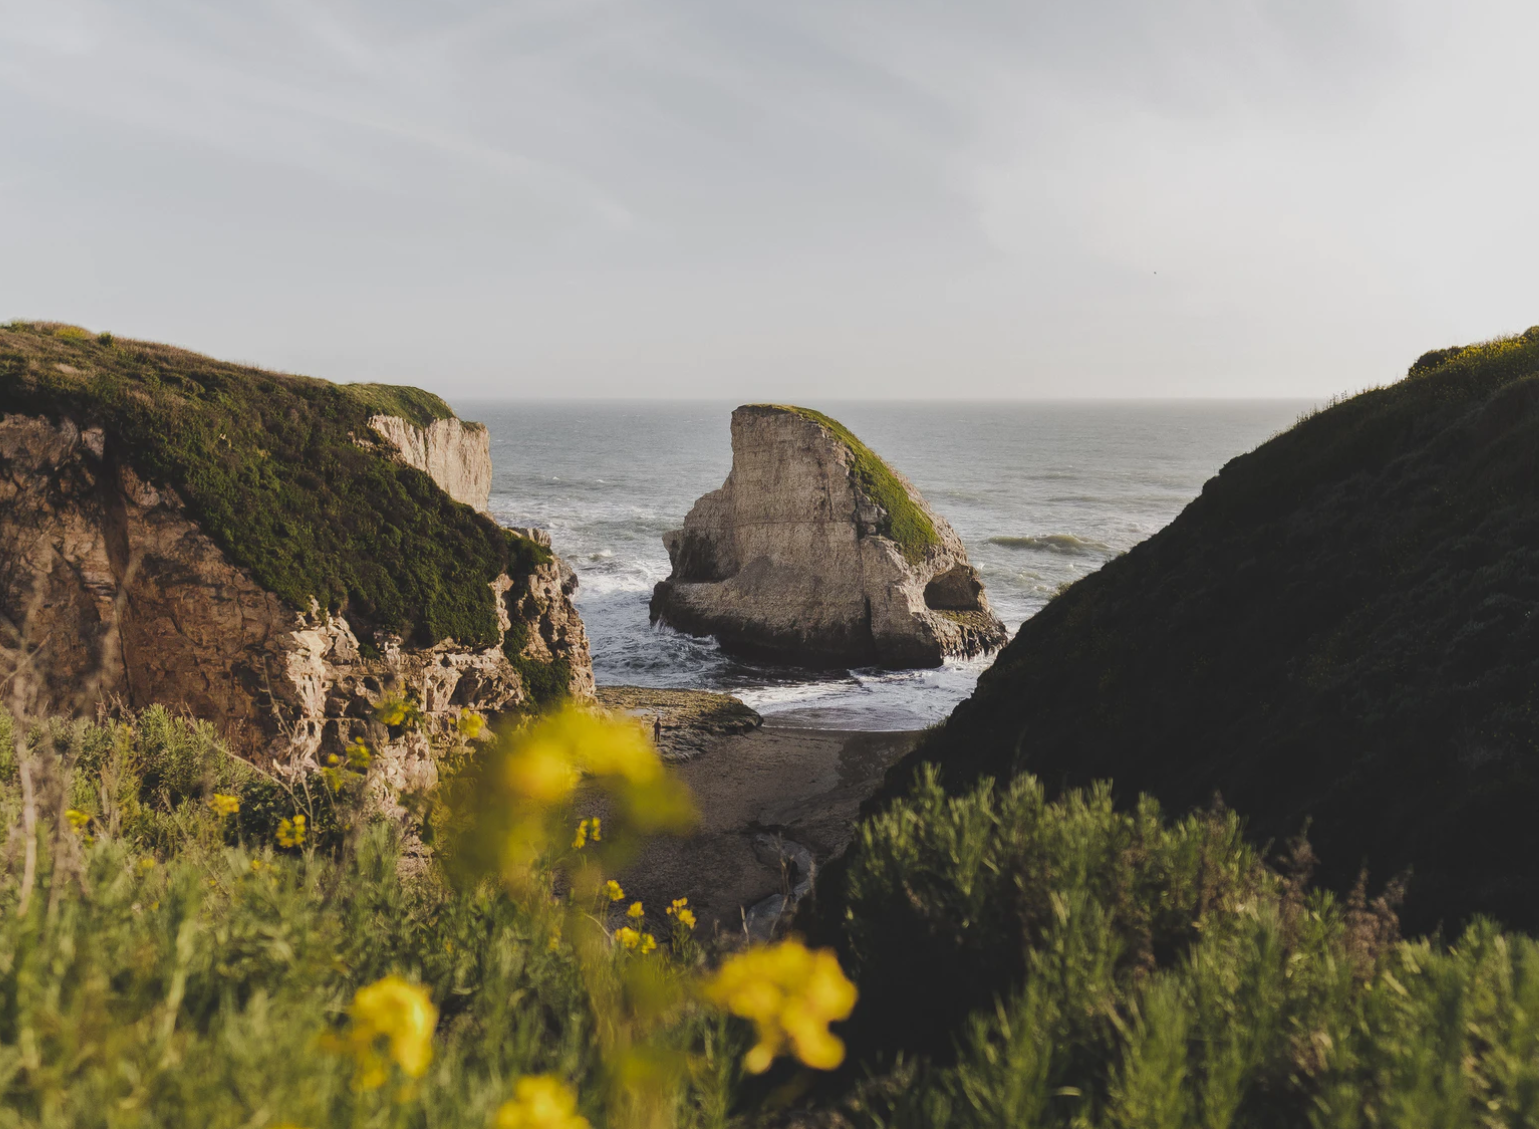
pixel 115 587
pixel 815 551
pixel 453 453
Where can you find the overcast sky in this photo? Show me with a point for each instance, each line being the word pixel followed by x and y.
pixel 810 199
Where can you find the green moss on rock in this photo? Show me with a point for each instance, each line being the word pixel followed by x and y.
pixel 268 465
pixel 906 524
pixel 416 406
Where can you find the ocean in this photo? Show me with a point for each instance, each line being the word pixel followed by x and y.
pixel 1041 493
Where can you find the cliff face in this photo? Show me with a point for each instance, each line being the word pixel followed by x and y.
pixel 114 585
pixel 455 454
pixel 1342 629
pixel 815 551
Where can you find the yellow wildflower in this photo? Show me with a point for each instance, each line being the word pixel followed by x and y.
pixel 393 1021
pixel 224 804
pixel 358 754
pixel 636 911
pixel 469 724
pixel 147 864
pixel 627 938
pixel 77 818
pixel 257 865
pixel 680 912
pixel 586 829
pixel 613 892
pixel 791 994
pixel 541 1101
pixel 291 832
pixel 648 943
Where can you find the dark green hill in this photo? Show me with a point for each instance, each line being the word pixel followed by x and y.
pixel 268 464
pixel 1342 630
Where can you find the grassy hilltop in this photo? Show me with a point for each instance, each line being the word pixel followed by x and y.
pixel 1341 630
pixel 267 464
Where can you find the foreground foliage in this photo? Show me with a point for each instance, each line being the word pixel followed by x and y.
pixel 1025 962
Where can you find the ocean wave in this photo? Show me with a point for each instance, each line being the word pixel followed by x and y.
pixel 1065 543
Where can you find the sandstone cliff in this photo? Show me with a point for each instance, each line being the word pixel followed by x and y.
pixel 816 551
pixel 455 454
pixel 181 531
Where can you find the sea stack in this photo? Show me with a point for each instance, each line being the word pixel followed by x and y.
pixel 816 552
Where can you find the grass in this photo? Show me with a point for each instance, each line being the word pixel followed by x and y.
pixel 1021 960
pixel 906 524
pixel 1342 628
pixel 172 967
pixel 268 466
pixel 415 405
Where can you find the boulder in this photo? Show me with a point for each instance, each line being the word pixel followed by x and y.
pixel 816 552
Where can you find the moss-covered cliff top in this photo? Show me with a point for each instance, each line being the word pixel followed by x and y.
pixel 907 524
pixel 267 464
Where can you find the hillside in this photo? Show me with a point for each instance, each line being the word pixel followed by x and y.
pixel 270 466
pixel 1340 632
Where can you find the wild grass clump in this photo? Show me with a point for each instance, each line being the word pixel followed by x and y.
pixel 1062 963
pixel 271 467
pixel 906 524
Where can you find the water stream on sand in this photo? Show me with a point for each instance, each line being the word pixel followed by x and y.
pixel 1041 493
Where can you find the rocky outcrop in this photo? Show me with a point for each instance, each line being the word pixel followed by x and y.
pixel 816 551
pixel 110 591
pixel 454 453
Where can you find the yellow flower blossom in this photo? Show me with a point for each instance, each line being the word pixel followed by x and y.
pixel 469 724
pixel 648 944
pixel 587 829
pixel 791 994
pixel 393 1021
pixel 359 755
pixel 681 912
pixel 613 892
pixel 541 1101
pixel 636 912
pixel 291 832
pixel 77 818
pixel 627 938
pixel 224 804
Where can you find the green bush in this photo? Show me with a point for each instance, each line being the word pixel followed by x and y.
pixel 1026 962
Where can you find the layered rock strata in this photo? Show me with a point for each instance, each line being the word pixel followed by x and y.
pixel 110 592
pixel 455 453
pixel 815 551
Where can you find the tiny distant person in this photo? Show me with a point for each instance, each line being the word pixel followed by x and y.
pixel 657 729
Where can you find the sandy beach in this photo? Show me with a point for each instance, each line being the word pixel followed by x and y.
pixel 762 794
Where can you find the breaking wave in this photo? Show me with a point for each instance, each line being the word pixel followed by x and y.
pixel 1065 543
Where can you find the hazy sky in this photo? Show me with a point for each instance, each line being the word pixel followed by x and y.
pixel 785 199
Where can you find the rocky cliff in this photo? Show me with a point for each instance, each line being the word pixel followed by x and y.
pixel 816 551
pixel 175 529
pixel 455 454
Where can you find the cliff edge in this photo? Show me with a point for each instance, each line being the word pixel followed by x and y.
pixel 236 542
pixel 815 551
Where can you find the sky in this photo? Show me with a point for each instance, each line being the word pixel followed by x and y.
pixel 787 199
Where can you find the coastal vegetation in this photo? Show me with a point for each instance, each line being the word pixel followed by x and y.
pixel 276 470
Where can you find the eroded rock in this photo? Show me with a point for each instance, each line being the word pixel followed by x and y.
pixel 455 454
pixel 109 590
pixel 816 551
